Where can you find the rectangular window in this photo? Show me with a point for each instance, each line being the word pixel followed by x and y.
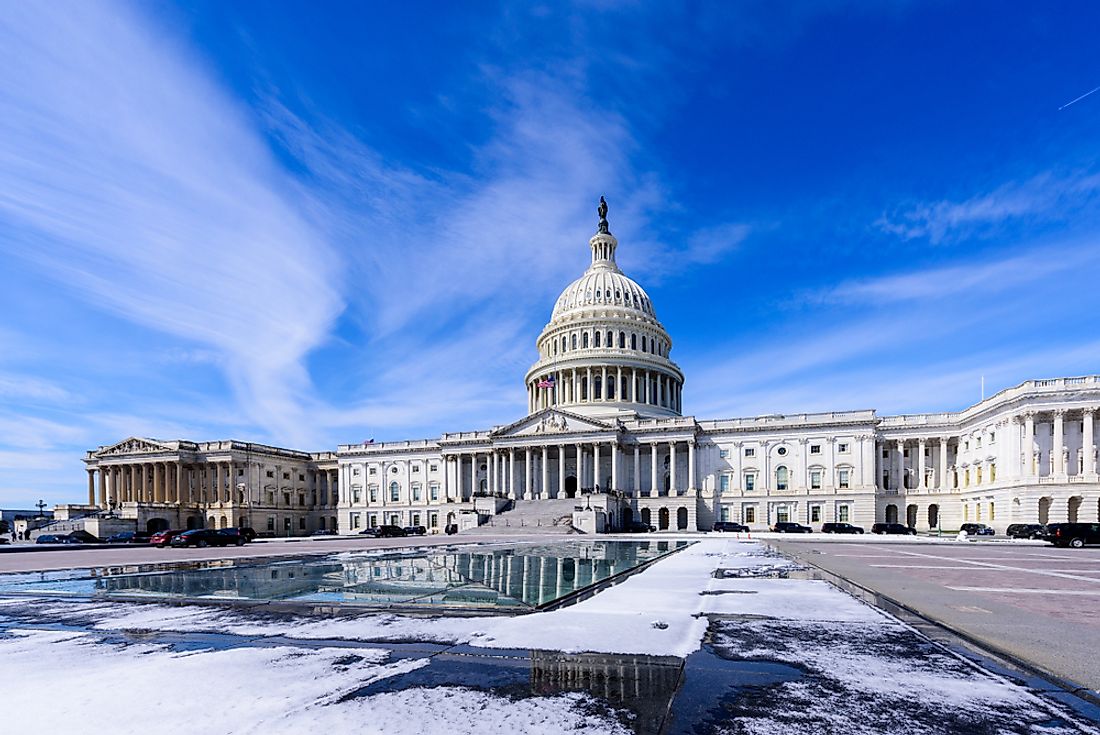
pixel 355 472
pixel 373 493
pixel 782 514
pixel 723 453
pixel 355 519
pixel 750 514
pixel 395 493
pixel 286 475
pixel 373 520
pixel 240 473
pixel 724 483
pixel 842 479
pixel 885 453
pixel 271 523
pixel 301 524
pixel 433 491
pixel 750 452
pixel 301 477
pixel 992 437
pixel 815 449
pixel 416 468
pixel 815 479
pixel 842 448
pixel 286 524
pixel 301 499
pixel 270 473
pixel 415 519
pixel 286 498
pixel 356 495
pixel 725 513
pixel 842 514
pixel 372 471
pixel 416 496
pixel 815 514
pixel 433 520
pixel 433 468
pixel 750 481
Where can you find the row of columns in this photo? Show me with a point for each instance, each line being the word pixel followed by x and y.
pixel 1031 458
pixel 180 483
pixel 525 472
pixel 573 386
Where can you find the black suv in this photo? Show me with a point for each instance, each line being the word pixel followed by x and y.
pixel 730 526
pixel 1073 535
pixel 790 527
pixel 840 528
pixel 203 537
pixel 1025 530
pixel 415 531
pixel 977 529
pixel 893 529
pixel 391 532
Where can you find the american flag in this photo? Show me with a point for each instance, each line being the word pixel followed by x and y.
pixel 547 382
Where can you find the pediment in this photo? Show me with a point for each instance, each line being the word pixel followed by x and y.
pixel 552 421
pixel 134 445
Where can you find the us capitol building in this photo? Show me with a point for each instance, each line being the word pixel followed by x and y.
pixel 605 432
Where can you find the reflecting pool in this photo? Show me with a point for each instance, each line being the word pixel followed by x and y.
pixel 503 578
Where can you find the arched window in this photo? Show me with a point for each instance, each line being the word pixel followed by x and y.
pixel 645 347
pixel 395 492
pixel 584 339
pixel 634 341
pixel 574 340
pixel 781 478
pixel 563 345
pixel 610 339
pixel 622 340
pixel 597 386
pixel 611 388
pixel 597 339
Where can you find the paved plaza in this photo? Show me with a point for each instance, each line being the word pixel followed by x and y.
pixel 1030 600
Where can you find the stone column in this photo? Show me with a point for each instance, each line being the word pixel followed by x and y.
pixel 619 392
pixel 544 487
pixel 1087 442
pixel 91 488
pixel 921 485
pixel 561 472
pixel 653 470
pixel 614 466
pixel 603 383
pixel 591 395
pixel 179 482
pixel 660 389
pixel 512 473
pixel 638 469
pixel 691 466
pixel 473 475
pixel 672 488
pixel 596 479
pixel 1030 466
pixel 527 474
pixel 901 465
pixel 942 479
pixel 1057 463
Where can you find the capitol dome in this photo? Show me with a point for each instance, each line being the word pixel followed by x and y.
pixel 604 354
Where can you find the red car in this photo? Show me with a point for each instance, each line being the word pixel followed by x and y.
pixel 161 539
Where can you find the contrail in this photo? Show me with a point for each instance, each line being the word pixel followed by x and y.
pixel 1086 94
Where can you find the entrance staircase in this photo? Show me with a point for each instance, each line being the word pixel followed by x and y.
pixel 531 516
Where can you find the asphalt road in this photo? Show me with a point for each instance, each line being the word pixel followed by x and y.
pixel 1037 603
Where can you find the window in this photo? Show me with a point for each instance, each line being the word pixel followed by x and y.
pixel 372 492
pixel 574 341
pixel 286 475
pixel 725 513
pixel 815 479
pixel 301 524
pixel 416 468
pixel 750 514
pixel 286 524
pixel 395 492
pixel 815 449
pixel 782 514
pixel 433 491
pixel 992 437
pixel 301 477
pixel 416 496
pixel 301 499
pixel 597 342
pixel 355 495
pixel 633 341
pixel 270 473
pixel 415 519
pixel 885 453
pixel 433 520
pixel 724 483
pixel 781 478
pixel 433 468
pixel 724 453
pixel 271 523
pixel 750 481
pixel 842 479
pixel 842 448
pixel 815 514
pixel 355 520
pixel 240 473
pixel 622 340
pixel 782 451
pixel 842 513
pixel 750 452
pixel 372 471
pixel 584 339
pixel 286 498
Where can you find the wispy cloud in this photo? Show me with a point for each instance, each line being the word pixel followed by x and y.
pixel 126 173
pixel 1046 196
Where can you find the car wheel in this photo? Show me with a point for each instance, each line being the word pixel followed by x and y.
pixel 201 544
pixel 240 542
pixel 1076 543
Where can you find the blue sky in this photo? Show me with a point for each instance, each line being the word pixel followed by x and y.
pixel 316 223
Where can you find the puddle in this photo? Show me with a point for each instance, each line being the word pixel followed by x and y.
pixel 643 686
pixel 711 686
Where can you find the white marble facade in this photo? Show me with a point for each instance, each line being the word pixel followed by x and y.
pixel 605 422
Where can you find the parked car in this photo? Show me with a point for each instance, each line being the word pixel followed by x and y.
pixel 730 526
pixel 1073 535
pixel 791 527
pixel 372 531
pixel 893 529
pixel 1025 530
pixel 50 538
pixel 639 527
pixel 129 537
pixel 160 539
pixel 415 531
pixel 977 529
pixel 324 532
pixel 248 533
pixel 840 528
pixel 235 535
pixel 390 532
pixel 202 537
pixel 451 529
